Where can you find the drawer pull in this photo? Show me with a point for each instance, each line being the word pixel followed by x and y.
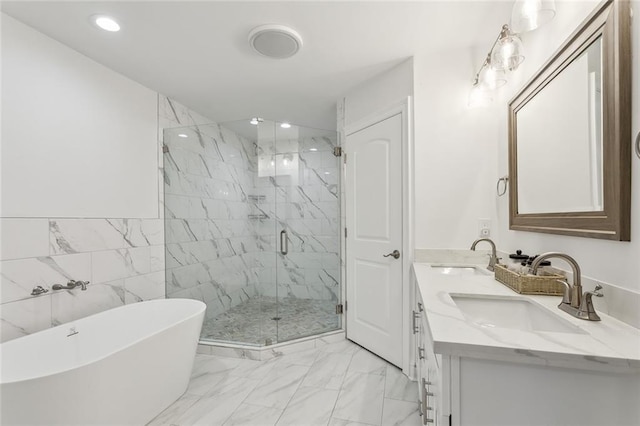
pixel 423 403
pixel 421 353
pixel 420 307
pixel 416 316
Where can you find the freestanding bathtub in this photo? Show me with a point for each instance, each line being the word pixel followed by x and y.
pixel 118 367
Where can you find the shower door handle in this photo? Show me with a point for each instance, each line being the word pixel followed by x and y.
pixel 284 242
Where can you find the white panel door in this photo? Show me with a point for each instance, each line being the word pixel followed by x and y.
pixel 374 229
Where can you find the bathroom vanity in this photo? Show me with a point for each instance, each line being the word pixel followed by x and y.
pixel 485 355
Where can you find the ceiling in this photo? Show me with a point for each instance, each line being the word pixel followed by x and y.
pixel 198 54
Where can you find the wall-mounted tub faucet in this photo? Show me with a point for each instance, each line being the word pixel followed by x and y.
pixel 493 260
pixel 71 285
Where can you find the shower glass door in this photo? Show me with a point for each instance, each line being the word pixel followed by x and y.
pixel 252 219
pixel 307 213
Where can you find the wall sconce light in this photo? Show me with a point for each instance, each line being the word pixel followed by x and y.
pixel 527 15
pixel 490 77
pixel 492 72
pixel 506 53
pixel 479 96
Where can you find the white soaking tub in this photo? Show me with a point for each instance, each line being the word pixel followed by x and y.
pixel 118 367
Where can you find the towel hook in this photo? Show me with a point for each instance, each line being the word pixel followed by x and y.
pixel 504 180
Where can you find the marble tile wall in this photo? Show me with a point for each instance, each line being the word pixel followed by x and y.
pixel 122 258
pixel 211 240
pixel 223 218
pixel 305 202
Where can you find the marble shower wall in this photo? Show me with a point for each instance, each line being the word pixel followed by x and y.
pixel 211 240
pixel 224 215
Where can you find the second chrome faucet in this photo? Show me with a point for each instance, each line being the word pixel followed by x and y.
pixel 493 260
pixel 573 302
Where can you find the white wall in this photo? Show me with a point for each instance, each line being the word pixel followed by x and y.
pixel 80 176
pixel 80 139
pixel 455 152
pixel 379 93
pixel 609 261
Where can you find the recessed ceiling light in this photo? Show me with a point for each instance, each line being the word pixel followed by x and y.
pixel 275 41
pixel 182 135
pixel 313 149
pixel 256 120
pixel 107 23
pixel 285 125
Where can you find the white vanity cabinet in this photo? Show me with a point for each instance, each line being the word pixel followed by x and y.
pixel 498 382
pixel 433 391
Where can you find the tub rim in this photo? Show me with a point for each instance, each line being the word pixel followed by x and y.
pixel 196 302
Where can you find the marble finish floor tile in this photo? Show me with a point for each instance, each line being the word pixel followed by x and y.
pixel 361 398
pixel 335 384
pixel 400 413
pixel 254 415
pixel 310 407
pixel 328 371
pixel 278 387
pixel 267 320
pixel 342 422
pixel 398 386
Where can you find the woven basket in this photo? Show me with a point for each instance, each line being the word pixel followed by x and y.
pixel 530 284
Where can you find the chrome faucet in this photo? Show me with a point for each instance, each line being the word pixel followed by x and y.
pixel 71 285
pixel 573 301
pixel 493 260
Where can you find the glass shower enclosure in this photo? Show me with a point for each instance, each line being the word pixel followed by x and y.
pixel 252 228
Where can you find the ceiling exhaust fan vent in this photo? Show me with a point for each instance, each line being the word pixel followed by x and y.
pixel 275 41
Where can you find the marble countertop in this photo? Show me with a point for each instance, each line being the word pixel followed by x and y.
pixel 607 345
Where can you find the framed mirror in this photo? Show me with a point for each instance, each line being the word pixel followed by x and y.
pixel 570 134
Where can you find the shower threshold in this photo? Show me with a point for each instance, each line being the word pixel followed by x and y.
pixel 260 353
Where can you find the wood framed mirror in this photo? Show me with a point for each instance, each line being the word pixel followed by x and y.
pixel 570 134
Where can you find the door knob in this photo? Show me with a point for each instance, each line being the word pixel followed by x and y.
pixel 395 254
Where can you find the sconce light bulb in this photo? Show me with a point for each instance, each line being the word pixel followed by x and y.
pixel 527 15
pixel 507 54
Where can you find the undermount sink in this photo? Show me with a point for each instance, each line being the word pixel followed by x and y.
pixel 511 312
pixel 459 270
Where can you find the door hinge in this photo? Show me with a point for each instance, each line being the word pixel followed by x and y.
pixel 165 149
pixel 339 309
pixel 345 232
pixel 337 151
pixel 345 158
